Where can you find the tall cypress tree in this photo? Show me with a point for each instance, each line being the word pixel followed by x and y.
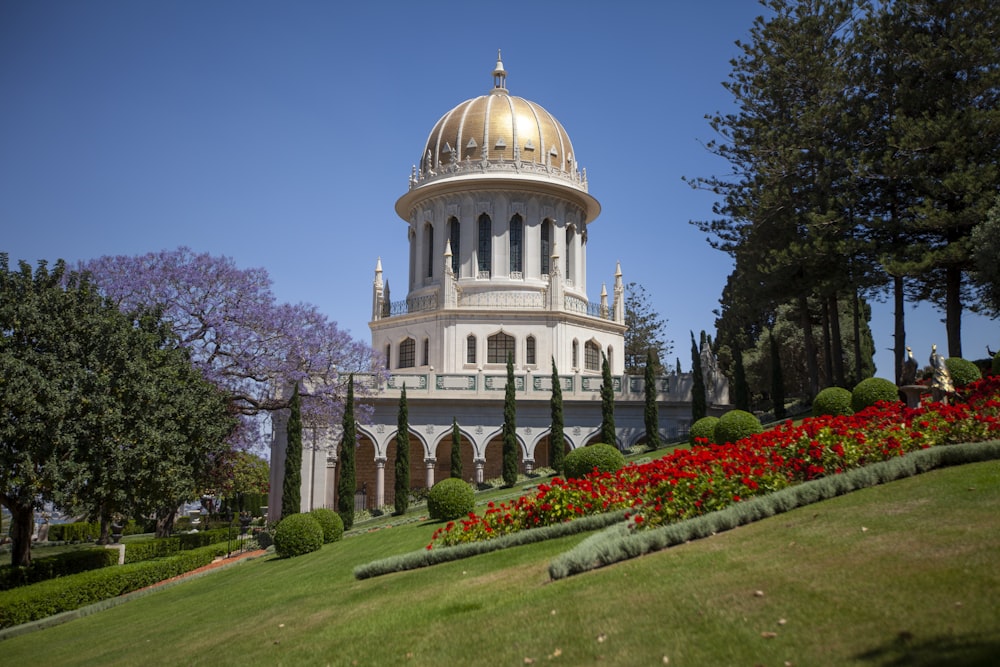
pixel 347 485
pixel 402 464
pixel 456 450
pixel 699 404
pixel 651 414
pixel 777 380
pixel 509 426
pixel 291 483
pixel 557 443
pixel 607 405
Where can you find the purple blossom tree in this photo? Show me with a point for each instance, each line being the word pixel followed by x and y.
pixel 241 339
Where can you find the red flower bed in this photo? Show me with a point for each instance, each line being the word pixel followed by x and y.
pixel 704 478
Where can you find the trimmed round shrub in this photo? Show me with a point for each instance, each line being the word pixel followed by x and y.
pixel 330 522
pixel 449 499
pixel 832 401
pixel 736 425
pixel 703 428
pixel 297 534
pixel 871 391
pixel 582 461
pixel 962 371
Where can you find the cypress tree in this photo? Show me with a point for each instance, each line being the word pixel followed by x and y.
pixel 456 450
pixel 607 405
pixel 699 405
pixel 557 443
pixel 347 485
pixel 509 426
pixel 651 414
pixel 291 484
pixel 402 464
pixel 777 380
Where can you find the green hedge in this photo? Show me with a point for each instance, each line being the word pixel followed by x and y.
pixel 158 547
pixel 88 531
pixel 37 601
pixel 59 565
pixel 450 498
pixel 296 535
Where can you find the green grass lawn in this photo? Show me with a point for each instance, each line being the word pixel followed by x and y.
pixel 902 574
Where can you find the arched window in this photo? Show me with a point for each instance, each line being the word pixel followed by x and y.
pixel 429 242
pixel 569 255
pixel 529 350
pixel 498 346
pixel 470 349
pixel 516 245
pixel 454 236
pixel 388 356
pixel 427 352
pixel 407 353
pixel 545 251
pixel 592 356
pixel 576 354
pixel 485 253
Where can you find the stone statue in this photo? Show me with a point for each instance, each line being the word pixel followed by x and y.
pixel 909 373
pixel 941 384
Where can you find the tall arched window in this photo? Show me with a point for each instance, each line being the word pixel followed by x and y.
pixel 498 346
pixel 576 354
pixel 407 353
pixel 455 238
pixel 388 356
pixel 485 253
pixel 429 242
pixel 516 245
pixel 568 250
pixel 546 249
pixel 529 350
pixel 427 352
pixel 470 349
pixel 592 356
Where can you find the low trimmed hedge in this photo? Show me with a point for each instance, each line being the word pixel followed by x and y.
pixel 158 547
pixel 59 565
pixel 88 531
pixel 44 599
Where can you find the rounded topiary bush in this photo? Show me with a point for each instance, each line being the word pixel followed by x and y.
pixel 582 461
pixel 449 499
pixel 297 534
pixel 832 401
pixel 330 522
pixel 736 425
pixel 962 371
pixel 871 391
pixel 703 428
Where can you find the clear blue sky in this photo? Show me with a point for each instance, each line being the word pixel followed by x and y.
pixel 281 135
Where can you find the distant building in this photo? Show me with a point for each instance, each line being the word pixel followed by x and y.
pixel 498 215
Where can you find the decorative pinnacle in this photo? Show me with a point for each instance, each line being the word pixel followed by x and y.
pixel 499 74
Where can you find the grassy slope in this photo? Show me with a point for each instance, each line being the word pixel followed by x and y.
pixel 899 574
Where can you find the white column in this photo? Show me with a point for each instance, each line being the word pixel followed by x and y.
pixel 379 482
pixel 429 465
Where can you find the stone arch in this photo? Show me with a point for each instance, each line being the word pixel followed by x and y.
pixel 418 469
pixel 595 437
pixel 365 469
pixel 493 466
pixel 541 453
pixel 442 454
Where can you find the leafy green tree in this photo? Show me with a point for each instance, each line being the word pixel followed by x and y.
pixel 777 379
pixel 456 450
pixel 651 414
pixel 608 435
pixel 291 485
pixel 509 427
pixel 347 484
pixel 985 251
pixel 644 330
pixel 402 463
pixel 699 402
pixel 741 391
pixel 557 441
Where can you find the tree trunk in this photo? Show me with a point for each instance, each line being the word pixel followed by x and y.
pixel 22 523
pixel 899 335
pixel 810 346
pixel 165 523
pixel 837 348
pixel 953 310
pixel 827 380
pixel 856 324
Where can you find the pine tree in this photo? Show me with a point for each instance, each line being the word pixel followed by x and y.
pixel 402 463
pixel 651 414
pixel 456 450
pixel 347 484
pixel 509 427
pixel 777 380
pixel 608 435
pixel 291 484
pixel 699 403
pixel 644 330
pixel 557 443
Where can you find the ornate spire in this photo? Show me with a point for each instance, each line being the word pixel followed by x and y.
pixel 499 75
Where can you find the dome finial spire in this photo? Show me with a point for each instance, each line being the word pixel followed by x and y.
pixel 499 75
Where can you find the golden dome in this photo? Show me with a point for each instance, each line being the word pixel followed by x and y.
pixel 498 132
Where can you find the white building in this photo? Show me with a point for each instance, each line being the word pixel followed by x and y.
pixel 498 216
